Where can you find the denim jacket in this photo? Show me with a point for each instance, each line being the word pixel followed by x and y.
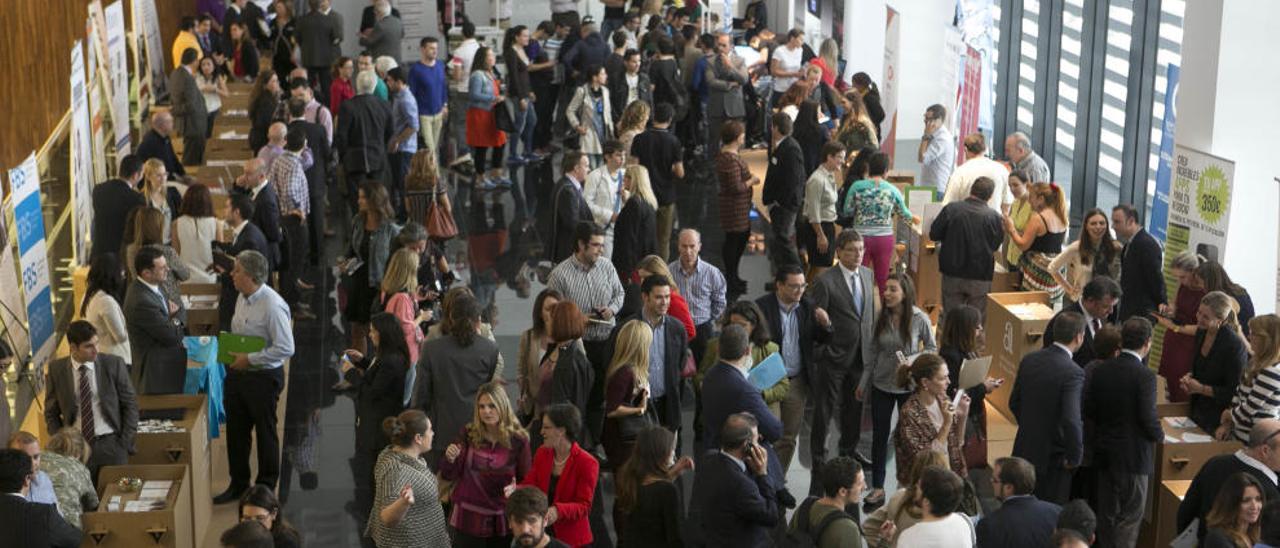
pixel 480 91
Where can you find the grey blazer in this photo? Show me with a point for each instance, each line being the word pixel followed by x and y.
pixel 318 37
pixel 115 393
pixel 187 102
pixel 851 332
pixel 159 359
pixel 384 38
pixel 723 99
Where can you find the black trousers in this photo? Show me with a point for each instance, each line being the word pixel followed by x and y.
pixel 250 399
pixel 1053 481
pixel 108 450
pixel 324 77
pixel 316 219
pixel 735 243
pixel 593 417
pixel 295 248
pixel 193 150
pixel 832 393
pixel 782 246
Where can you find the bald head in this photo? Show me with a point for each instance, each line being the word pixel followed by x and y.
pixel 1262 430
pixel 689 245
pixel 254 173
pixel 162 122
pixel 277 132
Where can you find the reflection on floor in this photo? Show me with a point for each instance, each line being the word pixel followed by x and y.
pixel 316 481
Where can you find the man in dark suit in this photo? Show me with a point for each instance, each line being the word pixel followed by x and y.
pixel 783 192
pixel 364 128
pixel 92 392
pixel 732 493
pixel 664 370
pixel 384 37
pixel 847 292
pixel 266 206
pixel 1097 301
pixel 1141 265
pixel 726 76
pixel 569 206
pixel 158 143
pixel 1046 403
pixel 1120 398
pixel 155 332
pixel 28 524
pixel 319 35
pixel 244 236
pixel 795 325
pixel 317 174
pixel 1022 520
pixel 111 201
pixel 726 391
pixel 1261 459
pixel 188 108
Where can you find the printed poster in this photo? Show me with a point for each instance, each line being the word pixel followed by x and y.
pixel 969 107
pixel 419 18
pixel 82 174
pixel 24 180
pixel 889 85
pixel 118 68
pixel 13 312
pixel 1164 171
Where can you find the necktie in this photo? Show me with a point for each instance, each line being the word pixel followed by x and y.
pixel 86 404
pixel 857 293
pixel 1097 324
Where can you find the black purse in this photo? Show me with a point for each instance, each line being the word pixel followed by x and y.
pixel 504 116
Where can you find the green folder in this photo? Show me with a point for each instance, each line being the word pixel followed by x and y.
pixel 231 342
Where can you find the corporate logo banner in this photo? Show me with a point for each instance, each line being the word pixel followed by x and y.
pixel 33 257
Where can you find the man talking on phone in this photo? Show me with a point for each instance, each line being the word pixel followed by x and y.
pixel 732 491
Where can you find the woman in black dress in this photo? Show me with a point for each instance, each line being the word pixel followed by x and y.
pixel 1220 357
pixel 960 340
pixel 282 38
pixel 635 234
pixel 378 381
pixel 648 511
pixel 264 102
pixel 810 134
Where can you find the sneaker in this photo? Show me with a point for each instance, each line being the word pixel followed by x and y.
pixel 486 184
pixel 533 157
pixel 502 182
pixel 464 159
pixel 516 160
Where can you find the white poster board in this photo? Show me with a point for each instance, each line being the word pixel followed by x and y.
pixel 118 69
pixel 82 175
pixel 889 85
pixel 147 27
pixel 419 17
pixel 13 312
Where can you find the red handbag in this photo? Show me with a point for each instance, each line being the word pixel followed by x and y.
pixel 690 367
pixel 440 225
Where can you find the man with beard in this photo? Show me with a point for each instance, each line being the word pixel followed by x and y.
pixel 526 517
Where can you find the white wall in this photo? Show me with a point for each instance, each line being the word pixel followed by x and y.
pixel 923 37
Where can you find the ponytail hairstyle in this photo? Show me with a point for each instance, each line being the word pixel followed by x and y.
pixel 926 365
pixel 1053 198
pixel 906 311
pixel 1224 307
pixel 403 428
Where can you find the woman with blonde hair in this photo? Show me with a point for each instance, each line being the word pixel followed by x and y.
pixel 1259 388
pixel 399 298
pixel 1041 239
pixel 1220 356
pixel 154 176
pixel 828 60
pixel 626 393
pixel 635 117
pixel 490 453
pixel 64 461
pixel 635 233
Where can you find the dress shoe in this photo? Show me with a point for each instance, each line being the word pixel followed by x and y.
pixel 862 459
pixel 232 494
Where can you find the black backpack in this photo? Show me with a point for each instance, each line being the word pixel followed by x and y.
pixel 802 536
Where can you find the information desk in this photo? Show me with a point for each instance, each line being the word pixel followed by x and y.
pixel 1014 328
pixel 922 268
pixel 189 447
pixel 1161 525
pixel 114 526
pixel 1185 447
pixel 201 300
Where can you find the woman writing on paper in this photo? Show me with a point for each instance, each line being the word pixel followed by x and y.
pixel 901 330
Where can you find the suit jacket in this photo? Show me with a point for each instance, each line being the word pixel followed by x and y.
pixel 266 216
pixel 159 358
pixel 154 145
pixel 115 394
pixel 808 329
pixel 574 491
pixel 1141 276
pixel 31 525
pixel 724 98
pixel 675 347
pixel 1120 398
pixel 189 112
pixel 737 509
pixel 318 36
pixel 570 209
pixel 726 391
pixel 384 38
pixel 1085 354
pixel 379 394
pixel 1020 521
pixel 111 201
pixel 364 128
pixel 784 182
pixel 618 91
pixel 1046 402
pixel 830 292
pixel 368 18
pixel 250 237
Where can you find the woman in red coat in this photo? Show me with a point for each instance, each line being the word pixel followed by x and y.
pixel 567 474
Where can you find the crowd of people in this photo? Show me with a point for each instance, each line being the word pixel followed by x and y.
pixel 635 321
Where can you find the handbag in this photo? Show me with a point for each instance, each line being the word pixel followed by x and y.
pixel 440 225
pixel 690 367
pixel 504 116
pixel 975 446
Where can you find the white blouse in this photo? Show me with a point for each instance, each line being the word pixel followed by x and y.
pixel 107 317
pixel 194 237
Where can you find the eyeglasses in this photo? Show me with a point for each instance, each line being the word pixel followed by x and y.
pixel 258 518
pixel 796 287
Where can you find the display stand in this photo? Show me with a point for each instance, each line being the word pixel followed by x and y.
pixel 112 527
pixel 187 448
pixel 1015 326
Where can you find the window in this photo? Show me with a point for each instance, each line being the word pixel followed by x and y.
pixel 1068 93
pixel 1027 65
pixel 1115 91
pixel 1169 53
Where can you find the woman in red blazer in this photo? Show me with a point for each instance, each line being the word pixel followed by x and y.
pixel 567 474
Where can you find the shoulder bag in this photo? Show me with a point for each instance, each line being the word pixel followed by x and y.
pixel 440 225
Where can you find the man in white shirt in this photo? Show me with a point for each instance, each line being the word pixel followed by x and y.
pixel 459 76
pixel 603 191
pixel 937 153
pixel 977 164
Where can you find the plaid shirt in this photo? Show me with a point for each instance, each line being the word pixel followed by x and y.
pixel 703 289
pixel 290 180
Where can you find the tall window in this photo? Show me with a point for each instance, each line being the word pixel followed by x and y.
pixel 1027 69
pixel 1169 53
pixel 1068 92
pixel 1115 90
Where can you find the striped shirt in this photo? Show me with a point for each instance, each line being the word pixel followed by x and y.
pixel 791 356
pixel 290 179
pixel 703 289
pixel 590 287
pixel 1256 401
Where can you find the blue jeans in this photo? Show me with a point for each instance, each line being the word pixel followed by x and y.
pixel 882 404
pixel 526 120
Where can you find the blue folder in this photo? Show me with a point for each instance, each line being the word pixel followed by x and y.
pixel 768 372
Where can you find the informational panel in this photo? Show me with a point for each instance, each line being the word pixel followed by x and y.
pixel 82 175
pixel 419 17
pixel 889 85
pixel 953 56
pixel 1159 217
pixel 96 89
pixel 969 105
pixel 13 312
pixel 147 27
pixel 24 180
pixel 118 68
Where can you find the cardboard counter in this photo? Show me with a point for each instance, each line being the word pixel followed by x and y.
pixel 1185 447
pixel 167 527
pixel 922 268
pixel 201 300
pixel 1015 327
pixel 1161 523
pixel 188 448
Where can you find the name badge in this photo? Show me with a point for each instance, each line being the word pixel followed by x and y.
pixel 774 160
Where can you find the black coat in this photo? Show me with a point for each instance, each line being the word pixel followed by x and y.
pixel 159 359
pixel 266 216
pixel 262 113
pixel 1020 521
pixel 811 334
pixel 156 146
pixel 29 524
pixel 675 348
pixel 570 208
pixel 364 128
pixel 112 201
pixel 635 235
pixel 1220 371
pixel 1085 354
pixel 1046 401
pixel 379 394
pixel 1141 276
pixel 1120 399
pixel 784 182
pixel 250 238
pixel 735 508
pixel 318 142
